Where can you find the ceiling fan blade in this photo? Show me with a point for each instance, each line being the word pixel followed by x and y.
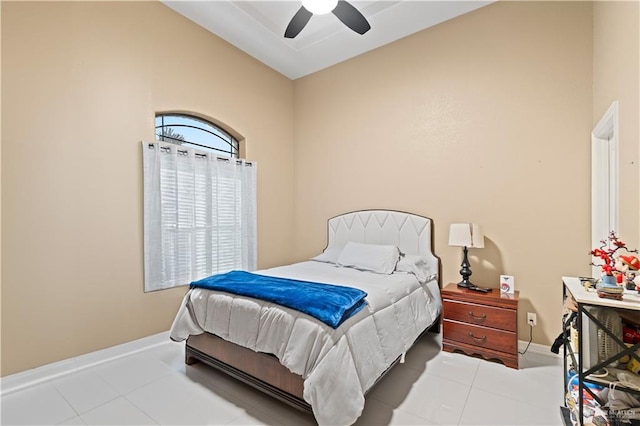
pixel 351 17
pixel 298 22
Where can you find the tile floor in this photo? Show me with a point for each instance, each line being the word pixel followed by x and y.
pixel 155 387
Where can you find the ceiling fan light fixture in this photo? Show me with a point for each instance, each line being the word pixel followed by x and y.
pixel 319 7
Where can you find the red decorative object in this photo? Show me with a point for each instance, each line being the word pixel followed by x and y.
pixel 632 262
pixel 630 334
pixel 606 252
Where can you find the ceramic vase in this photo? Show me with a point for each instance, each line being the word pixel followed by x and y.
pixel 608 280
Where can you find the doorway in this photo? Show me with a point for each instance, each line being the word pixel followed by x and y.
pixel 604 178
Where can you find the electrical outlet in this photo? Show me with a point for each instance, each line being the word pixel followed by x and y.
pixel 531 319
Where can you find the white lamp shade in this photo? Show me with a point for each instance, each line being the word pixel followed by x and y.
pixel 319 7
pixel 466 235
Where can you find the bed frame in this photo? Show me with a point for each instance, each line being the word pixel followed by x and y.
pixel 411 233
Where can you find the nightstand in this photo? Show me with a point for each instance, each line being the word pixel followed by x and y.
pixel 485 324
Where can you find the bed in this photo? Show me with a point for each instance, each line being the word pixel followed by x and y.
pixel 303 361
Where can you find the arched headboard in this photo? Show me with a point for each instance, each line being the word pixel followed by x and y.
pixel 411 233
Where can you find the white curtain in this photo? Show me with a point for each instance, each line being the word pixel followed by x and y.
pixel 199 215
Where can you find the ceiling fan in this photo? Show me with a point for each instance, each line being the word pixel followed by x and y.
pixel 343 10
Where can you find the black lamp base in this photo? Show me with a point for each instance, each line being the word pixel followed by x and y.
pixel 466 284
pixel 465 271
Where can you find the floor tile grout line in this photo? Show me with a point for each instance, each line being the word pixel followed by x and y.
pixel 497 395
pixel 162 376
pixel 464 407
pixel 398 408
pixel 119 395
pixel 416 415
pixel 466 401
pixel 67 402
pixel 114 399
pixel 156 421
pixel 4 391
pixel 53 382
pixel 475 373
pixel 255 409
pixel 94 408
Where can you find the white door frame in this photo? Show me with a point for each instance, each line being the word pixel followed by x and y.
pixel 604 178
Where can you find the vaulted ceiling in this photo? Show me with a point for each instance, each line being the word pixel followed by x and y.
pixel 257 28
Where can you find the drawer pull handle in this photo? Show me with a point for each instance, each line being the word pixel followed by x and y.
pixel 480 318
pixel 478 339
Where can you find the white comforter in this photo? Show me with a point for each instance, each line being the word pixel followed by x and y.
pixel 338 365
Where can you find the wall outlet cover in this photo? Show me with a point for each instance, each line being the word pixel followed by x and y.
pixel 507 284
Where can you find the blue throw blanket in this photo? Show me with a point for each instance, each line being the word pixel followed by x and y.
pixel 331 304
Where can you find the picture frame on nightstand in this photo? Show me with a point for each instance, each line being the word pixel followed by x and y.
pixel 507 284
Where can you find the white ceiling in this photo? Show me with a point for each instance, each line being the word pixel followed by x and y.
pixel 257 27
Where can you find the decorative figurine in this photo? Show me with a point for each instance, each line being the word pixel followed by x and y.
pixel 626 266
pixel 613 267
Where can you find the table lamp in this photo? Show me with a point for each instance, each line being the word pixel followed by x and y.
pixel 467 235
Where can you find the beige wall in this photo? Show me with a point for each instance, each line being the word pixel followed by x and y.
pixel 616 75
pixel 485 118
pixel 81 82
pixel 0 193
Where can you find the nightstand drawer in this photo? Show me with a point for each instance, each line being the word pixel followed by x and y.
pixel 487 316
pixel 498 340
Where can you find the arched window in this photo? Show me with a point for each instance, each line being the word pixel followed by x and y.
pixel 199 207
pixel 195 132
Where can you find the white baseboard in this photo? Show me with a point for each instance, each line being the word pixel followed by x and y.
pixel 18 381
pixel 536 349
pixel 15 382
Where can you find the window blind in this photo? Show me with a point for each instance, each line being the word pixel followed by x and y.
pixel 199 215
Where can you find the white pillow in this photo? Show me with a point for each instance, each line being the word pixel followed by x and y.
pixel 329 255
pixel 417 266
pixel 378 258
